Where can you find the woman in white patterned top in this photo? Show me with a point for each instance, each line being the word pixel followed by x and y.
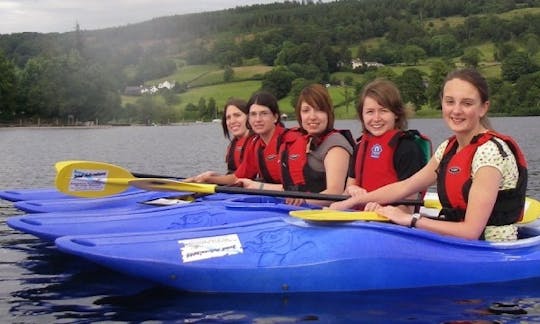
pixel 481 175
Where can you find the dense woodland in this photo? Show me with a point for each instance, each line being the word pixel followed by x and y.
pixel 78 76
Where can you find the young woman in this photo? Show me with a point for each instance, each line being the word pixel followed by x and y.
pixel 234 122
pixel 260 160
pixel 315 156
pixel 386 151
pixel 481 175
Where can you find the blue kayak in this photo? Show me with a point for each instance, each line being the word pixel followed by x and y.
pixel 32 194
pixel 127 198
pixel 43 194
pixel 212 210
pixel 283 254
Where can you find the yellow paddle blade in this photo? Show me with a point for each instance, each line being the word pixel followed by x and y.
pixel 431 200
pixel 432 203
pixel 337 215
pixel 157 184
pixel 91 179
pixel 532 210
pixel 61 164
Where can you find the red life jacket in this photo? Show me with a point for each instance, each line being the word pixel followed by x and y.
pixel 235 152
pixel 376 162
pixel 261 161
pixel 296 173
pixel 454 181
pixel 268 156
pixel 374 165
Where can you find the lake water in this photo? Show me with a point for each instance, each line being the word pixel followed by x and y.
pixel 41 285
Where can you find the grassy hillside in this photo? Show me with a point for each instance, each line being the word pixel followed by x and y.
pixel 207 81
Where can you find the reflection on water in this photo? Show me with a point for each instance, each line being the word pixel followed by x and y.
pixel 42 285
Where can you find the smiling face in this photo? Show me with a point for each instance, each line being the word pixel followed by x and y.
pixel 377 119
pixel 262 120
pixel 236 121
pixel 462 107
pixel 314 120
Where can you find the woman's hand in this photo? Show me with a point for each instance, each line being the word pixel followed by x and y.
pixel 295 201
pixel 395 214
pixel 354 190
pixel 201 178
pixel 249 184
pixel 356 193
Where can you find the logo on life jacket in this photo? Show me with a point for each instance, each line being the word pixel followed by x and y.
pixel 271 157
pixel 376 151
pixel 294 157
pixel 454 170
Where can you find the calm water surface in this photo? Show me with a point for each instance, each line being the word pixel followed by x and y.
pixel 41 285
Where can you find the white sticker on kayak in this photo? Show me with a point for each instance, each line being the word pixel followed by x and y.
pixel 88 180
pixel 210 247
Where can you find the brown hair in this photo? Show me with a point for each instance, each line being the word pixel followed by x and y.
pixel 316 96
pixel 265 98
pixel 476 79
pixel 238 103
pixel 386 94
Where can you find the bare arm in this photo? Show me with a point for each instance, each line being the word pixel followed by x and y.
pixel 336 163
pixel 482 196
pixel 225 179
pixel 395 191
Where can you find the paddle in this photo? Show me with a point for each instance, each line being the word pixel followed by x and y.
pixel 532 212
pixel 91 179
pixel 337 215
pixel 100 165
pixel 173 185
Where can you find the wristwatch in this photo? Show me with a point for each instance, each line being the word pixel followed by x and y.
pixel 414 219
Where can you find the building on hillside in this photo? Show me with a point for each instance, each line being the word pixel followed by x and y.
pixel 358 63
pixel 166 85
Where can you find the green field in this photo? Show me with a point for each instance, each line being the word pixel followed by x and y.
pixel 221 92
pixel 207 81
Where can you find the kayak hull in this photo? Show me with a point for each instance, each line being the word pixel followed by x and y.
pixel 218 209
pixel 32 194
pixel 281 254
pixel 129 198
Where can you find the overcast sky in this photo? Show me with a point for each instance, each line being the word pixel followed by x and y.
pixel 46 16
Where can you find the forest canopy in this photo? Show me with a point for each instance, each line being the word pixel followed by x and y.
pixel 83 75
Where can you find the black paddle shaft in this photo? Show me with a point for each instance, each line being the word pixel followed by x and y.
pixel 301 194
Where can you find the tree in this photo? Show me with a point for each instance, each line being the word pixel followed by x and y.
pixel 444 45
pixel 8 88
pixel 412 88
pixel 411 54
pixel 202 108
pixel 471 57
pixel 527 91
pixel 502 50
pixel 278 81
pixel 516 64
pixel 228 73
pixel 348 95
pixel 439 70
pixel 211 107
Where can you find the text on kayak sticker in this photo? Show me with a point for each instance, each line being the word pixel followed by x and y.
pixel 210 247
pixel 88 180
